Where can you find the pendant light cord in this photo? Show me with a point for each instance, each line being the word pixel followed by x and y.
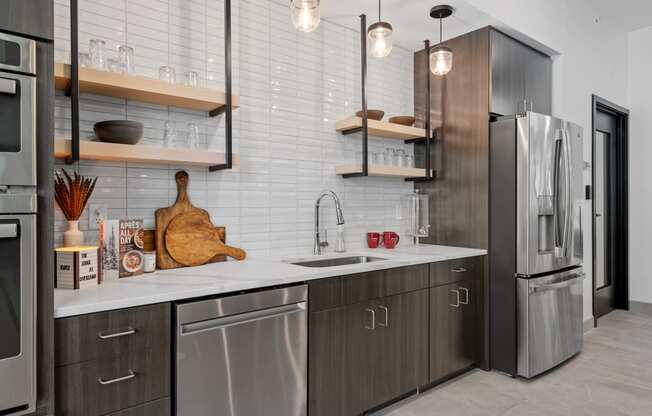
pixel 440 30
pixel 379 10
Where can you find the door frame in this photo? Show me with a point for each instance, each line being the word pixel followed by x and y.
pixel 601 104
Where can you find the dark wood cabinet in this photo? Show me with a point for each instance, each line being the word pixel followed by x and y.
pixel 116 362
pixel 368 352
pixel 33 18
pixel 454 340
pixel 518 73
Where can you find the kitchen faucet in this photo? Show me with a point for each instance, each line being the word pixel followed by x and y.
pixel 338 212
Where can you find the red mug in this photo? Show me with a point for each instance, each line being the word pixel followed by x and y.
pixel 374 240
pixel 390 239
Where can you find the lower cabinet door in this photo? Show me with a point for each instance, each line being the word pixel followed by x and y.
pixel 401 363
pixel 453 340
pixel 339 360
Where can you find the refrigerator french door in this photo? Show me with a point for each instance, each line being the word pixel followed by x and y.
pixel 536 196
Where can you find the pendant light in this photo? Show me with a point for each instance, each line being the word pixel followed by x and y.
pixel 441 57
pixel 380 37
pixel 305 14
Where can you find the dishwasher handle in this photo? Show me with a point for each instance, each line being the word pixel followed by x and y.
pixel 239 319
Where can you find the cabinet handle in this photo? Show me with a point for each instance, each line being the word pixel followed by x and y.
pixel 128 331
pixel 457 299
pixel 386 323
pixel 459 270
pixel 373 320
pixel 466 296
pixel 129 376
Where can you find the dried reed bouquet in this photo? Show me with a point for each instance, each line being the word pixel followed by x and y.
pixel 72 193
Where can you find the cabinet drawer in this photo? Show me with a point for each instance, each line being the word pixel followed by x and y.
pixel 156 408
pixel 110 334
pixel 381 283
pixel 451 271
pixel 99 387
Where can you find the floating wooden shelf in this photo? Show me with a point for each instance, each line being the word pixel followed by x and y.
pixel 139 88
pixel 381 129
pixel 92 150
pixel 382 170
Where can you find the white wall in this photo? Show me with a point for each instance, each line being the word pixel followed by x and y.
pixel 640 156
pixel 292 87
pixel 592 60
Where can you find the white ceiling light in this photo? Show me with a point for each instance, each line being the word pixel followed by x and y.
pixel 305 14
pixel 380 37
pixel 441 57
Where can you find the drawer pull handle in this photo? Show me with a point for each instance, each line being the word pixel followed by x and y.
pixel 466 296
pixel 129 331
pixel 459 270
pixel 117 380
pixel 373 320
pixel 457 298
pixel 386 310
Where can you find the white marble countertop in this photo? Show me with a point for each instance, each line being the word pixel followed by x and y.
pixel 233 276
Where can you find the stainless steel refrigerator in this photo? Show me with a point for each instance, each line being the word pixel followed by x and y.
pixel 535 249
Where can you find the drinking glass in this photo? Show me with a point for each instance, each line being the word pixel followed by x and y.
pixel 193 136
pixel 377 158
pixel 389 156
pixel 399 157
pixel 170 134
pixel 167 73
pixel 114 65
pixel 97 50
pixel 409 161
pixel 192 78
pixel 126 56
pixel 84 60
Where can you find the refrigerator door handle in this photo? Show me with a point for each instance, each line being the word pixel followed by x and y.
pixel 568 214
pixel 570 281
pixel 555 191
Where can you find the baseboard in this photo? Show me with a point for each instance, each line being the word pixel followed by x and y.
pixel 642 308
pixel 588 324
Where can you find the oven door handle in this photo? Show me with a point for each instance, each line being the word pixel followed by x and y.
pixel 8 231
pixel 8 86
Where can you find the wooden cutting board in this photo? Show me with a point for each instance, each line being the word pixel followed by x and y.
pixel 149 241
pixel 191 240
pixel 165 215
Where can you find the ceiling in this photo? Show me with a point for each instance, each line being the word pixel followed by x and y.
pixel 627 16
pixel 410 19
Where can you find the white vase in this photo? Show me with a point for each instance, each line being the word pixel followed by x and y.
pixel 72 236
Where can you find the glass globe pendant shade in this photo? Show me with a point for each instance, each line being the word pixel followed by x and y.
pixel 305 14
pixel 379 36
pixel 441 60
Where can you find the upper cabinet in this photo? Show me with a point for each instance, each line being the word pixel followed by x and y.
pixel 33 18
pixel 518 73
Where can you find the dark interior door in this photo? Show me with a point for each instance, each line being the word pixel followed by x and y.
pixel 609 164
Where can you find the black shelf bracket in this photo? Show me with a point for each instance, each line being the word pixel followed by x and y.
pixel 228 108
pixel 73 86
pixel 351 131
pixel 430 139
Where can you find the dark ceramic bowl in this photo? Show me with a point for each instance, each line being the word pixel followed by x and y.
pixel 372 114
pixel 119 131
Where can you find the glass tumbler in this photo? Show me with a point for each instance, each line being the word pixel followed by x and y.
pixel 84 60
pixel 97 50
pixel 193 136
pixel 389 156
pixel 126 56
pixel 192 78
pixel 409 161
pixel 170 134
pixel 114 65
pixel 167 73
pixel 399 158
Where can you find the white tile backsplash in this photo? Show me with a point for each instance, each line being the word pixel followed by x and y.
pixel 292 87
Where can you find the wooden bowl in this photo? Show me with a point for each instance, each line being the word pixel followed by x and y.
pixel 372 114
pixel 119 131
pixel 402 120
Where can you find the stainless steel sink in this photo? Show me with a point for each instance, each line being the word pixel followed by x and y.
pixel 337 261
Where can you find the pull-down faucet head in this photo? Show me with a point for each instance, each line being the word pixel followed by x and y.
pixel 338 213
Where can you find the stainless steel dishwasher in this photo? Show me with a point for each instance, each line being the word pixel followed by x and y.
pixel 243 355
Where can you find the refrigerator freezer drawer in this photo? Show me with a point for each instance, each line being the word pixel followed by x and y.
pixel 550 324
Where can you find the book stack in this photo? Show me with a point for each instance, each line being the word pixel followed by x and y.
pixel 76 267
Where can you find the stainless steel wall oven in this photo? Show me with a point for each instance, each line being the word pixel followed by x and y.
pixel 17 225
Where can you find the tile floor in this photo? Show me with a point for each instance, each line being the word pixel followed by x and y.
pixel 611 377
